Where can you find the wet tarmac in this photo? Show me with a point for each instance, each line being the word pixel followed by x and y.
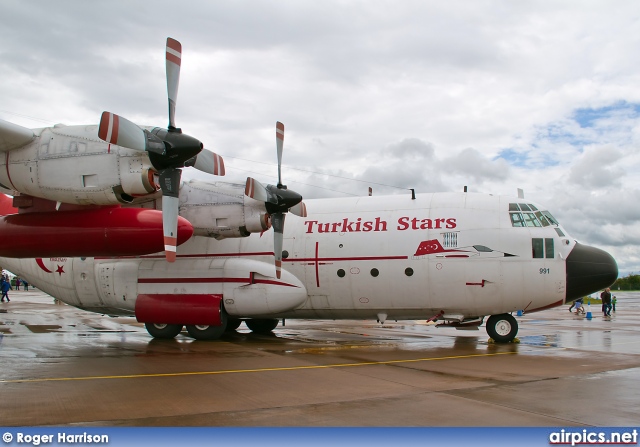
pixel 63 366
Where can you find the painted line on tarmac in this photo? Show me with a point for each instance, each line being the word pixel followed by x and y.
pixel 237 371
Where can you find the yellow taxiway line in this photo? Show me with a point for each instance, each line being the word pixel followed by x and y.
pixel 236 371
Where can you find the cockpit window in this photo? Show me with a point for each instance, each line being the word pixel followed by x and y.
pixel 524 207
pixel 531 220
pixel 527 215
pixel 543 220
pixel 548 215
pixel 517 220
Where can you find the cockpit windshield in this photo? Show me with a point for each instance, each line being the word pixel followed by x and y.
pixel 527 215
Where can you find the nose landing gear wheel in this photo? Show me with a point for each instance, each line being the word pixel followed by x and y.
pixel 502 328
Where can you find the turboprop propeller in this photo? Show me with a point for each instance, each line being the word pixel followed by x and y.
pixel 278 200
pixel 168 149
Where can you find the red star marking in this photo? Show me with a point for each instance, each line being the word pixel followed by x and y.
pixel 60 269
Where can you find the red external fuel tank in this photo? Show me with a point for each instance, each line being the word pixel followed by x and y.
pixel 109 231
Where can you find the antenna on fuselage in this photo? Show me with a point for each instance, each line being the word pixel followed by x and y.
pixel 465 188
pixel 520 193
pixel 413 194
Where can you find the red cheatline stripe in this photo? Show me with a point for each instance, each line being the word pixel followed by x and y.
pixel 211 281
pixel 266 253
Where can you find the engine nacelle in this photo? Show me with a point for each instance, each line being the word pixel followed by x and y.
pixel 137 177
pixel 70 164
pixel 221 210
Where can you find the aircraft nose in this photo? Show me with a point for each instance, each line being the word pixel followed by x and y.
pixel 589 269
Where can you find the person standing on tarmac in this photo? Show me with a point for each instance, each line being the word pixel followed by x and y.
pixel 5 286
pixel 605 296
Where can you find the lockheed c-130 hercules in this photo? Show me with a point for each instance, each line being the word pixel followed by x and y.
pixel 86 226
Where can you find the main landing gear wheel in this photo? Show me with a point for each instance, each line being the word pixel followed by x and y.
pixel 158 330
pixel 502 328
pixel 204 332
pixel 262 325
pixel 233 324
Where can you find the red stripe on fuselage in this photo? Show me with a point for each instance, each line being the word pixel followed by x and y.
pixel 212 281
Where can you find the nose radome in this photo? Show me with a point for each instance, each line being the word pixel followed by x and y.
pixel 589 269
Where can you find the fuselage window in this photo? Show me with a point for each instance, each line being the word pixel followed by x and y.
pixel 548 247
pixel 559 231
pixel 408 271
pixel 375 272
pixel 540 246
pixel 537 247
pixel 341 273
pixel 533 208
pixel 513 207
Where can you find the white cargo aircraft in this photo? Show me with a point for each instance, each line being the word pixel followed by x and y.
pixel 86 226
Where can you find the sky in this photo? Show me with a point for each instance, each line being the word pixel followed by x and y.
pixel 431 95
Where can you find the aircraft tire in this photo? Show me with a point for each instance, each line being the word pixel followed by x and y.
pixel 502 328
pixel 233 324
pixel 262 325
pixel 158 330
pixel 205 332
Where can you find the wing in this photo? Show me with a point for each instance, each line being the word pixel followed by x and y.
pixel 13 136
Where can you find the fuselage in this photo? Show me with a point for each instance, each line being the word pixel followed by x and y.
pixel 453 255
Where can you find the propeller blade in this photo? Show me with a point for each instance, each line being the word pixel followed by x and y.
pixel 256 190
pixel 279 144
pixel 209 162
pixel 277 221
pixel 299 210
pixel 174 59
pixel 170 185
pixel 120 131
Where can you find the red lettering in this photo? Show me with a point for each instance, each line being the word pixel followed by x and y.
pixel 381 225
pixel 346 226
pixel 438 222
pixel 426 224
pixel 309 224
pixel 367 226
pixel 451 223
pixel 403 223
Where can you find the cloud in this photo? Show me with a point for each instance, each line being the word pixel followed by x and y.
pixel 426 95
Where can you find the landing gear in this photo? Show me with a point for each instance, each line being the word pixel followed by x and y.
pixel 502 328
pixel 166 331
pixel 233 324
pixel 206 332
pixel 203 332
pixel 262 325
pixel 199 332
